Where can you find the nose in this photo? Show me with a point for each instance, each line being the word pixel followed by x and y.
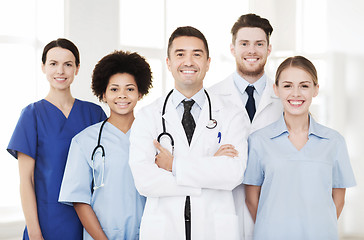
pixel 296 91
pixel 252 48
pixel 188 61
pixel 122 94
pixel 60 69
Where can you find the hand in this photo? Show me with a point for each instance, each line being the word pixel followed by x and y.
pixel 227 150
pixel 164 159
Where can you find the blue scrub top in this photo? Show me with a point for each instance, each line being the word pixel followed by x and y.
pixel 44 133
pixel 117 205
pixel 296 185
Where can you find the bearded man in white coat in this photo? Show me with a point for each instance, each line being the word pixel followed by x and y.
pixel 251 47
pixel 189 185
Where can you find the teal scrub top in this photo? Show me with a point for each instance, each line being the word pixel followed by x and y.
pixel 117 205
pixel 296 185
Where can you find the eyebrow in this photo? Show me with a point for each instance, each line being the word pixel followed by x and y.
pixel 286 81
pixel 127 85
pixel 184 50
pixel 51 60
pixel 246 40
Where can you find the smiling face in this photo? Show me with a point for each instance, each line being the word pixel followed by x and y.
pixel 188 63
pixel 251 51
pixel 121 94
pixel 60 68
pixel 296 90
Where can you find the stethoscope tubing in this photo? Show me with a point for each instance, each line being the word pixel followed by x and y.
pixel 211 125
pixel 102 156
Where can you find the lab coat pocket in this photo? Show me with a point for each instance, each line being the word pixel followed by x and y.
pixel 212 141
pixel 226 227
pixel 152 227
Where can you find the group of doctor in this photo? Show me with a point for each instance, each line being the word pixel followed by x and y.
pixel 243 160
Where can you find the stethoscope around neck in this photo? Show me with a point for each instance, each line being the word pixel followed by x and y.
pixel 99 146
pixel 212 123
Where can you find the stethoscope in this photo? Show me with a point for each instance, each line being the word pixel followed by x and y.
pixel 212 123
pixel 99 146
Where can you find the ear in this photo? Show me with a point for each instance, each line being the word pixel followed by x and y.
pixel 104 98
pixel 269 49
pixel 43 68
pixel 316 90
pixel 140 96
pixel 275 88
pixel 77 69
pixel 208 64
pixel 168 64
pixel 232 49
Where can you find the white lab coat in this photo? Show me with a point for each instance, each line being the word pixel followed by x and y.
pixel 268 111
pixel 208 180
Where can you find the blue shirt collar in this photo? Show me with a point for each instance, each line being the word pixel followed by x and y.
pixel 241 83
pixel 315 129
pixel 178 97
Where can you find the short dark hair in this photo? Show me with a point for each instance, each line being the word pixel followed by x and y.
pixel 121 62
pixel 298 62
pixel 62 43
pixel 187 31
pixel 251 20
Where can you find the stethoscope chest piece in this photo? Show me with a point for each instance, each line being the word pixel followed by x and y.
pixel 212 123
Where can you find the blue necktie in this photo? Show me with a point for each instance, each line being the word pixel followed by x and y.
pixel 250 104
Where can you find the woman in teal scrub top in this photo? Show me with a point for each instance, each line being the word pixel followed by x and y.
pixel 41 140
pixel 297 170
pixel 103 192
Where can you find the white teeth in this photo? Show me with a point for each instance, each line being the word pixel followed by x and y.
pixel 122 104
pixel 251 59
pixel 188 71
pixel 60 79
pixel 296 102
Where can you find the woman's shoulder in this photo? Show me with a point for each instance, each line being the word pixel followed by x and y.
pixel 87 104
pixel 33 107
pixel 89 132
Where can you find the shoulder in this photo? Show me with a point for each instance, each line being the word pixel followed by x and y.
pixel 222 86
pixel 89 132
pixel 31 110
pixel 151 109
pixel 88 105
pixel 264 133
pixel 329 133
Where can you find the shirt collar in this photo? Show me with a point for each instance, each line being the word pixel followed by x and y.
pixel 178 97
pixel 241 83
pixel 315 129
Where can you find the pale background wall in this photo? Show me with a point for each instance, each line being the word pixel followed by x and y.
pixel 327 31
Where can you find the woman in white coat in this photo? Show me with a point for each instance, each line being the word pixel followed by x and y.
pixel 207 169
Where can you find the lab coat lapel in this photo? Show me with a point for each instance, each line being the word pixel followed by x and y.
pixel 267 97
pixel 173 123
pixel 205 117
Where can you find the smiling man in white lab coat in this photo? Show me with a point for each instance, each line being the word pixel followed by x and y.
pixel 251 47
pixel 188 187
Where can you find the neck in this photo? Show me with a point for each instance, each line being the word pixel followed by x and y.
pixel 297 123
pixel 250 78
pixel 122 122
pixel 60 98
pixel 188 92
